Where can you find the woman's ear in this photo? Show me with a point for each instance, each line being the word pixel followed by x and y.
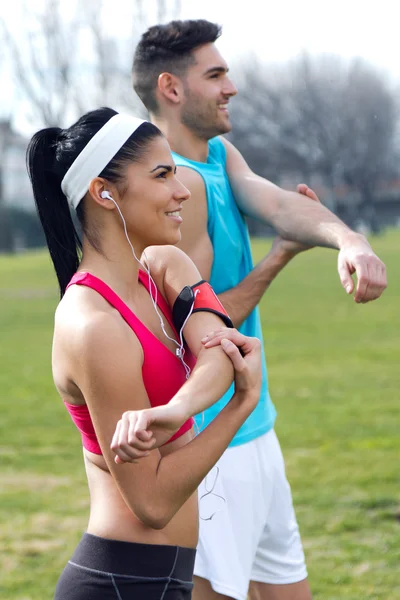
pixel 102 193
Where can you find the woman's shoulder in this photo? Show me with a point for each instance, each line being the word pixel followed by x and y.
pixel 168 262
pixel 84 320
pixel 162 257
pixel 171 270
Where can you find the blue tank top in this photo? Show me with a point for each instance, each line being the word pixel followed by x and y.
pixel 232 263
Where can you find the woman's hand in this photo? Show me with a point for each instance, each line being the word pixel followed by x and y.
pixel 139 431
pixel 245 354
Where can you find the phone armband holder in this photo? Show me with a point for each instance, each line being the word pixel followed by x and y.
pixel 197 298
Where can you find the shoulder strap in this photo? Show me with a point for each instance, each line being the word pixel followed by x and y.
pixel 161 301
pixel 217 151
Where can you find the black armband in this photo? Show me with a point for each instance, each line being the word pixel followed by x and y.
pixel 196 298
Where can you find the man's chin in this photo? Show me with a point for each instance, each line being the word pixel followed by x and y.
pixel 224 127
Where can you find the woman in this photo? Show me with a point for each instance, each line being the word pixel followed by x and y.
pixel 116 353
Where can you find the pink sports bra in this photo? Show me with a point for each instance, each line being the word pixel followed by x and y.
pixel 158 359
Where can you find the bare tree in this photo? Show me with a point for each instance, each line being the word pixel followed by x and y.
pixel 67 61
pixel 6 242
pixel 108 70
pixel 6 238
pixel 370 119
pixel 43 58
pixel 320 116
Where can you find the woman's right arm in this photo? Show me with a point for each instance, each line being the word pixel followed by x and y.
pixel 110 378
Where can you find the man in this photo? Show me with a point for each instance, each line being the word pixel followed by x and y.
pixel 249 539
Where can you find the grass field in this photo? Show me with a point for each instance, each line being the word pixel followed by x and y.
pixel 334 375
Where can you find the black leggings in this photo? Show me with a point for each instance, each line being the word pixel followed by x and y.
pixel 102 569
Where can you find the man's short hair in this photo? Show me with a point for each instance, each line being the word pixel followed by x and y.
pixel 168 48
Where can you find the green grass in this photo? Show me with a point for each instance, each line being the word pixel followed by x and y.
pixel 335 379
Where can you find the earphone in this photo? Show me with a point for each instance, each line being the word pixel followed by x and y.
pixel 180 350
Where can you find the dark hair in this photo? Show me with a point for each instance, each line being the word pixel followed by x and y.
pixel 50 154
pixel 168 48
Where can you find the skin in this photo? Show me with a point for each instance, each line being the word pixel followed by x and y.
pixel 97 360
pixel 193 110
pixel 203 97
pixel 257 590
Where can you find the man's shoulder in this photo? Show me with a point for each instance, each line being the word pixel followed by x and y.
pixel 192 179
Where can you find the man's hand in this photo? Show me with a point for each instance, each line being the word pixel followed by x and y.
pixel 288 246
pixel 357 256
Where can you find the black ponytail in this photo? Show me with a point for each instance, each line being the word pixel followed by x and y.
pixel 50 154
pixel 52 205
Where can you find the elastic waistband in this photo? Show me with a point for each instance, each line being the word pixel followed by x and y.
pixel 133 559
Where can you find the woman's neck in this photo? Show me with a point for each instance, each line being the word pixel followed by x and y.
pixel 115 265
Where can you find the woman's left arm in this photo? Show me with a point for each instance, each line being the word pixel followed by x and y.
pixel 213 373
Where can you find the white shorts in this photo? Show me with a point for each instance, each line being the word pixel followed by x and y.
pixel 248 528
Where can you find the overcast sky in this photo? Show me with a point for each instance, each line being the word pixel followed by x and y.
pixel 275 31
pixel 283 28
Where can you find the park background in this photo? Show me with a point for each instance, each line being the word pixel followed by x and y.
pixel 318 102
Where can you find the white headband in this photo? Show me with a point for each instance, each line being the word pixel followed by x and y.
pixel 96 155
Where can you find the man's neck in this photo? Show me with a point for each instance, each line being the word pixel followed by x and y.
pixel 182 140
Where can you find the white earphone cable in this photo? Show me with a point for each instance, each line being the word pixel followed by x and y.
pixel 180 351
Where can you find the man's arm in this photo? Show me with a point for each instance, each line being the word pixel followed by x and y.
pixel 309 223
pixel 242 299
